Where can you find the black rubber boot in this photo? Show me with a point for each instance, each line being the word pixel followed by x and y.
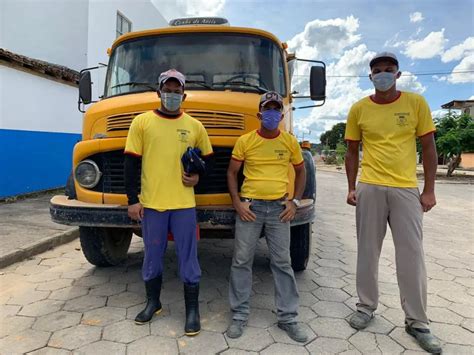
pixel 191 300
pixel 153 305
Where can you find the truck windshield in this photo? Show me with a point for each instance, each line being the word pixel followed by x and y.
pixel 209 61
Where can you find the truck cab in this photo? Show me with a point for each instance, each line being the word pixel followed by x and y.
pixel 227 69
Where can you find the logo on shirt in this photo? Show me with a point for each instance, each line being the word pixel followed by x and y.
pixel 183 135
pixel 281 153
pixel 402 118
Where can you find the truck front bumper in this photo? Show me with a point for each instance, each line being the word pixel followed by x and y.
pixel 77 213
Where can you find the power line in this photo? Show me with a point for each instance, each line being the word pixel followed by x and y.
pixel 411 74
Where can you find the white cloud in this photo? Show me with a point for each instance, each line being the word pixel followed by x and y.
pixel 438 113
pixel 183 8
pixel 409 82
pixel 326 39
pixel 416 17
pixel 440 78
pixel 426 48
pixel 465 71
pixel 337 41
pixel 471 98
pixel 341 92
pixel 459 51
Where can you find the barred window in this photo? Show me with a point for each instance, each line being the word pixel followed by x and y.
pixel 124 25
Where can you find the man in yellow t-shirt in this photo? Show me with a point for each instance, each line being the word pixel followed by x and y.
pixel 266 155
pixel 159 139
pixel 387 124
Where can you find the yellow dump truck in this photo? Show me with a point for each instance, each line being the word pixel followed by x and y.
pixel 227 69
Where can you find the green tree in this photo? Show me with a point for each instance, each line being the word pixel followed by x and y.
pixel 334 136
pixel 454 135
pixel 341 150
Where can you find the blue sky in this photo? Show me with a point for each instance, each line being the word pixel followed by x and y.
pixel 428 36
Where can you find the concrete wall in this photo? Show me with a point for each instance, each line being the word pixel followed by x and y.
pixel 50 30
pixel 39 120
pixel 39 126
pixel 469 110
pixel 102 23
pixel 101 30
pixel 467 160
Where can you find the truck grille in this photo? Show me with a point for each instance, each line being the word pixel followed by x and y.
pixel 120 122
pixel 219 120
pixel 210 120
pixel 112 170
pixel 216 181
pixel 113 181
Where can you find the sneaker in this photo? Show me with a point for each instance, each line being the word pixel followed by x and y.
pixel 294 331
pixel 425 339
pixel 360 320
pixel 236 328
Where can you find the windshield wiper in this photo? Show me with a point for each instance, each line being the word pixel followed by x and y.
pixel 200 82
pixel 134 83
pixel 260 89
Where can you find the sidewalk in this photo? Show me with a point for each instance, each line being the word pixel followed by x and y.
pixel 459 177
pixel 26 229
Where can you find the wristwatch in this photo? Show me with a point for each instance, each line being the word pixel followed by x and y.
pixel 296 202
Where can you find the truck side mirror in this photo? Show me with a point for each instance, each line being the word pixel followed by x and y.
pixel 85 87
pixel 317 83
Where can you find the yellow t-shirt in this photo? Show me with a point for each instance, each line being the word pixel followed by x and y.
pixel 266 163
pixel 388 133
pixel 161 142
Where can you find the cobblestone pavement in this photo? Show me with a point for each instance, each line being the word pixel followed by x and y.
pixel 57 303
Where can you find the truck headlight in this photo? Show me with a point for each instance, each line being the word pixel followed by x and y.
pixel 87 174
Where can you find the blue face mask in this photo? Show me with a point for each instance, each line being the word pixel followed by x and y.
pixel 171 101
pixel 383 81
pixel 271 119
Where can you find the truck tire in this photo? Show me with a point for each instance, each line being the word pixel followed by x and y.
pixel 105 246
pixel 310 188
pixel 300 246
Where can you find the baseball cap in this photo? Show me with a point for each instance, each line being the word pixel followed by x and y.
pixel 270 96
pixel 172 73
pixel 384 56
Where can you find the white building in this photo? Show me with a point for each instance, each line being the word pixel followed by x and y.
pixel 39 120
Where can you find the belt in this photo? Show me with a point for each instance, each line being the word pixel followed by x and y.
pixel 246 199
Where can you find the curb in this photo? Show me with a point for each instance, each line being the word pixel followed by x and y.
pixel 38 247
pixel 437 181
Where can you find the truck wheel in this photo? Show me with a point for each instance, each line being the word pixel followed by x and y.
pixel 300 246
pixel 310 188
pixel 105 246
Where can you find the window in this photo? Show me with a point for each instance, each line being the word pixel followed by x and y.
pixel 210 61
pixel 124 25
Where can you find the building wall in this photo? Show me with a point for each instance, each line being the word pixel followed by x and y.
pixel 467 160
pixel 51 30
pixel 39 120
pixel 101 30
pixel 469 110
pixel 39 126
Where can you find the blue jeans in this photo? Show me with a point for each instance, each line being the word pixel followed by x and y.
pixel 277 235
pixel 155 227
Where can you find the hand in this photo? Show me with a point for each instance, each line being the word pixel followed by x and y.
pixel 289 213
pixel 428 201
pixel 351 198
pixel 244 212
pixel 136 211
pixel 190 180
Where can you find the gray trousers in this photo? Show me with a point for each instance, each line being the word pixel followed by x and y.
pixel 401 208
pixel 277 235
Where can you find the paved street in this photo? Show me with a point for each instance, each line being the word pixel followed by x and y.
pixel 57 303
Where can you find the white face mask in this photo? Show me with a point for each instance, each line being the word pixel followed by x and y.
pixel 383 81
pixel 171 101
